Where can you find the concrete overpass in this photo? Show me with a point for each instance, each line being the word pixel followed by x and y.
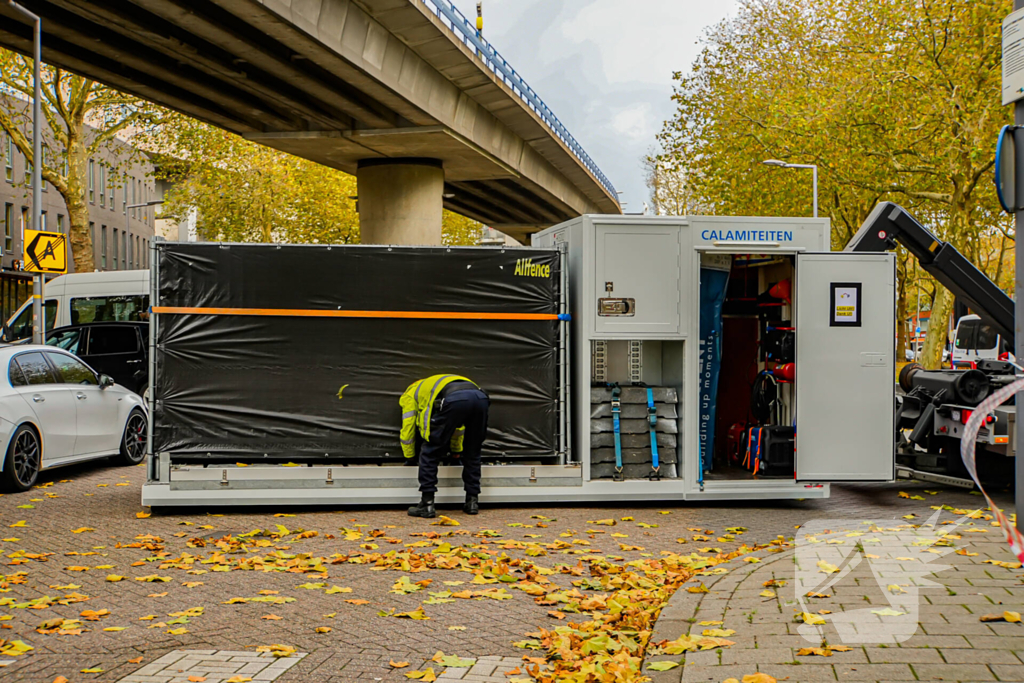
pixel 401 93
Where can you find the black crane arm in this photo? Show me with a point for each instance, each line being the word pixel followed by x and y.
pixel 890 224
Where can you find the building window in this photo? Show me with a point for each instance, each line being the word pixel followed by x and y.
pixel 8 158
pixel 103 247
pixel 92 181
pixel 60 223
pixel 95 237
pixel 103 185
pixel 124 250
pixel 135 198
pixel 138 253
pixel 114 253
pixel 113 184
pixel 42 220
pixel 26 220
pixel 67 166
pixel 8 228
pixel 43 168
pixel 28 171
pixel 124 196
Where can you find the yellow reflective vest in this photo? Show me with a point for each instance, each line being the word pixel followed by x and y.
pixel 417 405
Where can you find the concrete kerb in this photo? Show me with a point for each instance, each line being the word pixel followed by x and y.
pixel 676 618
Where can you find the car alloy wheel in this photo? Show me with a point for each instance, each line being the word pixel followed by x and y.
pixel 135 437
pixel 26 457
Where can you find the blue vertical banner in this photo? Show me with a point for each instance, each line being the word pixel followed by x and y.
pixel 714 279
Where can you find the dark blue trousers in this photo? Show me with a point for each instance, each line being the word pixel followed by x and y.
pixel 459 408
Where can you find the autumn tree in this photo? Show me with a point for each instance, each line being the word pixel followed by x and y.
pixel 672 193
pixel 893 99
pixel 81 117
pixel 241 191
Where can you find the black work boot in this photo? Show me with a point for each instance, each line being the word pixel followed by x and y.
pixel 425 508
pixel 472 506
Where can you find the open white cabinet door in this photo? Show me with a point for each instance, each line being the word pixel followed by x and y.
pixel 845 373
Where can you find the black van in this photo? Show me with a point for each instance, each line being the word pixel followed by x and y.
pixel 118 349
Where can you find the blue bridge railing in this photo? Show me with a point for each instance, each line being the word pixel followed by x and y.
pixel 466 31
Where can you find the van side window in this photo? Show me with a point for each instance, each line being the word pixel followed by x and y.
pixel 127 308
pixel 105 340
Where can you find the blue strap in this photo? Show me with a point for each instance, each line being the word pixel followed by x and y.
pixel 652 418
pixel 616 410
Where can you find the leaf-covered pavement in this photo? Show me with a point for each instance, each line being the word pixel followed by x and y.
pixel 88 583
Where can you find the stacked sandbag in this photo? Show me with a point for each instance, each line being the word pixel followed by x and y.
pixel 634 430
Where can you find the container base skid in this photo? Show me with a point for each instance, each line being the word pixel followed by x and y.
pixel 218 485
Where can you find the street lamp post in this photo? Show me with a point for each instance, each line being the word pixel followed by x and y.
pixel 813 167
pixel 37 165
pixel 128 227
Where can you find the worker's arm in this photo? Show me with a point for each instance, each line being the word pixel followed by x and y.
pixel 457 437
pixel 408 433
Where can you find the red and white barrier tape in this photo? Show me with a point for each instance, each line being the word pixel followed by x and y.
pixel 967 448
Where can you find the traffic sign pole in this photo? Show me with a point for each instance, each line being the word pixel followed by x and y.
pixel 37 158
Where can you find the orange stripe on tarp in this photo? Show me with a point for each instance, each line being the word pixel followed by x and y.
pixel 315 313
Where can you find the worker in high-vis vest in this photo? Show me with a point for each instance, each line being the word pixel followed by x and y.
pixel 449 413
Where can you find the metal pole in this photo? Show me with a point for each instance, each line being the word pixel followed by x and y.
pixel 480 24
pixel 38 333
pixel 815 171
pixel 1018 223
pixel 127 232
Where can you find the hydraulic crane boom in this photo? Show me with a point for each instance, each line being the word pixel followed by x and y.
pixel 890 224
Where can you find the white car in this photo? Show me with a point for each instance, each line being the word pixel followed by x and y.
pixel 55 410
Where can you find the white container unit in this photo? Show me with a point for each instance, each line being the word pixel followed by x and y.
pixel 634 287
pixel 635 295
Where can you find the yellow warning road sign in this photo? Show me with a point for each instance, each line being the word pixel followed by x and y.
pixel 45 252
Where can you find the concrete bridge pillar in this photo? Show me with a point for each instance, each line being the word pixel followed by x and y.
pixel 400 201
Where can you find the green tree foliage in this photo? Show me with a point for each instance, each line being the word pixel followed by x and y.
pixel 893 99
pixel 240 191
pixel 81 118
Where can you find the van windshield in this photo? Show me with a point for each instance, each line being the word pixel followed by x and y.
pixel 987 337
pixel 967 334
pixel 127 308
pixel 21 327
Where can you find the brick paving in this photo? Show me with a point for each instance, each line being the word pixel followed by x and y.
pixel 215 666
pixel 946 640
pixel 361 644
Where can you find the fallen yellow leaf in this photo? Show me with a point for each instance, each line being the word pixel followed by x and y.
pixel 812 619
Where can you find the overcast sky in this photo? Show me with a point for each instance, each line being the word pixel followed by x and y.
pixel 604 67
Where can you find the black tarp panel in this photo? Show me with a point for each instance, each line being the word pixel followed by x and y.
pixel 248 387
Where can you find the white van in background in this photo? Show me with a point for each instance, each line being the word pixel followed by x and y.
pixel 976 340
pixel 112 296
